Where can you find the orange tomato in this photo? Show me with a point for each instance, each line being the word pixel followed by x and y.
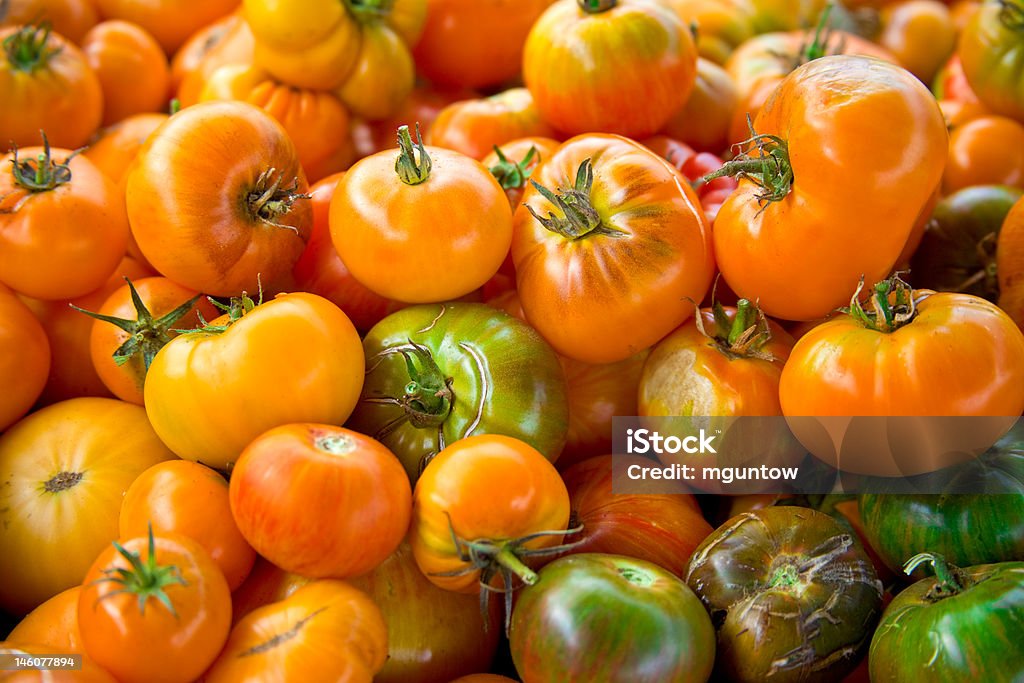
pixel 226 41
pixel 116 146
pixel 233 214
pixel 475 127
pixel 265 584
pixel 24 358
pixel 421 107
pixel 920 34
pixel 171 22
pixel 703 122
pixel 132 68
pixel 988 150
pixel 1010 263
pixel 186 498
pixel 54 624
pixel 69 18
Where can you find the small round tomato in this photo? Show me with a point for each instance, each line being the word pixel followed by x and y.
pixel 436 217
pixel 352 485
pixel 24 358
pixel 475 127
pixel 132 68
pixel 988 150
pixel 186 498
pixel 703 122
pixel 154 608
pixel 920 34
pixel 225 41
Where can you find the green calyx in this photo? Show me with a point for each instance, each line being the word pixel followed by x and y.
pixel 236 309
pixel 427 397
pixel 950 580
pixel 820 43
pixel 270 199
pixel 765 164
pixel 744 336
pixel 579 217
pixel 1011 14
pixel 28 49
pixel 146 334
pixel 785 577
pixel 890 306
pixel 512 175
pixel 42 173
pixel 596 6
pixel 369 11
pixel 145 580
pixel 413 163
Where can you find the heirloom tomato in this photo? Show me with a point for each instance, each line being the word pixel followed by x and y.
pixel 436 218
pixel 476 127
pixel 69 18
pixel 324 631
pixel 154 609
pixel 171 22
pixel 225 41
pixel 115 147
pixel 722 25
pixel 610 619
pixel 920 34
pixel 512 163
pixel 131 66
pixel 990 50
pixel 46 83
pixel 24 358
pixel 439 373
pixel 233 212
pixel 66 469
pixel 794 596
pixel 186 498
pixel 765 230
pixel 62 224
pixel 988 150
pixel 266 583
pixel 296 358
pixel 1010 263
pixel 352 485
pixel 609 246
pixel 964 625
pixel 703 122
pixel 589 63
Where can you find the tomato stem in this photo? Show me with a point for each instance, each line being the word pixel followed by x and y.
pixel 765 164
pixel 742 337
pixel 596 6
pixel 1011 14
pixel 507 558
pixel 950 579
pixel 410 169
pixel 269 200
pixel 43 173
pixel 369 10
pixel 144 579
pixel 579 217
pixel 892 305
pixel 27 49
pixel 512 175
pixel 818 46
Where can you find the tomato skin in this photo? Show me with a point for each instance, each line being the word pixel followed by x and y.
pixel 353 484
pixel 1010 263
pixel 608 618
pixel 988 150
pixel 703 122
pixel 70 18
pixel 572 288
pixel 505 380
pixel 204 225
pixel 587 71
pixel 171 22
pixel 24 358
pixel 989 48
pixel 87 451
pixel 225 41
pixel 58 94
pixel 475 127
pixel 920 34
pixel 695 165
pixel 337 634
pixel 422 106
pixel 156 643
pixel 62 242
pixel 765 574
pixel 186 498
pixel 758 251
pixel 116 146
pixel 303 362
pixel 54 623
pixel 447 235
pixel 132 68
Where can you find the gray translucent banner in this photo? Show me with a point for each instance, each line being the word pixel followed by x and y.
pixel 818 455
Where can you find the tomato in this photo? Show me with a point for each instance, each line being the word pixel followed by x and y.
pixel 69 18
pixel 988 150
pixel 53 623
pixel 962 624
pixel 317 122
pixel 46 84
pixel 324 631
pixel 436 216
pixel 46 673
pixel 266 583
pixel 296 358
pixel 1010 263
pixel 440 373
pixel 475 43
pixel 607 618
pixel 951 83
pixel 62 225
pixel 764 231
pixel 116 146
pixel 589 63
pixel 481 506
pixel 232 212
pixel 694 166
pixel 225 41
pixel 920 34
pixel 476 127
pixel 24 358
pixel 433 634
pixel 68 466
pixel 608 249
pixel 126 334
pixel 989 48
pixel 353 485
pixel 422 106
pixel 186 498
pixel 663 529
pixel 795 596
pixel 513 162
pixel 722 25
pixel 171 22
pixel 958 250
pixel 132 67
pixel 155 608
pixel 703 122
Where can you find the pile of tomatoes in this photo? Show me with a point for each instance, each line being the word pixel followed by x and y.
pixel 315 315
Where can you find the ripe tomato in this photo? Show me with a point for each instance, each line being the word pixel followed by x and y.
pixel 135 322
pixel 920 34
pixel 62 224
pixel 155 608
pixel 225 41
pixel 694 166
pixel 69 18
pixel 723 25
pixel 116 146
pixel 513 162
pixel 234 210
pixel 703 122
pixel 54 623
pixel 988 150
pixel 989 48
pixel 353 485
pixel 1010 263
pixel 24 358
pixel 171 22
pixel 589 63
pixel 68 466
pixel 45 83
pixel 608 245
pixel 440 373
pixel 475 127
pixel 186 498
pixel 422 106
pixel 436 216
pixel 132 68
pixel 768 226
pixel 610 619
pixel 302 362
pixel 324 631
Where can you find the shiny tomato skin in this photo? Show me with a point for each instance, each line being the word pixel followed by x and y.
pixel 988 150
pixel 474 127
pixel 24 358
pixel 53 623
pixel 131 66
